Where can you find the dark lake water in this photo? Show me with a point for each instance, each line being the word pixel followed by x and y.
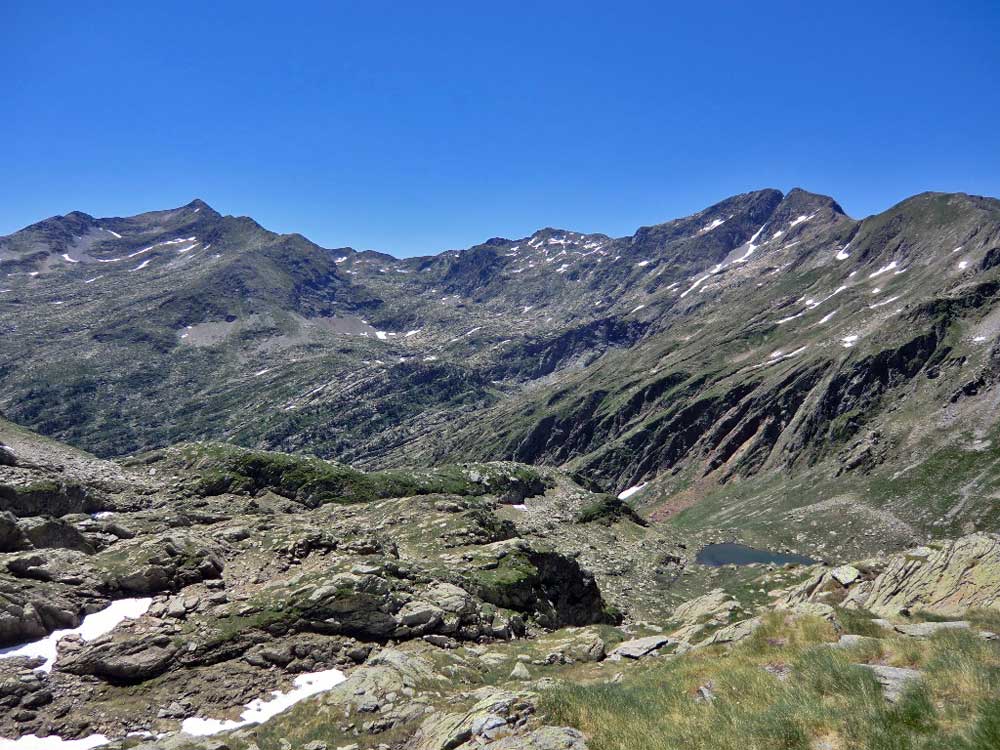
pixel 729 553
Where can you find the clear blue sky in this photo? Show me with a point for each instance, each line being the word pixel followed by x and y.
pixel 417 127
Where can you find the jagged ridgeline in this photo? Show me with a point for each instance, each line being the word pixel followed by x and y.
pixel 768 363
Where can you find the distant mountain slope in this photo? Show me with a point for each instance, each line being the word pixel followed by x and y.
pixel 765 355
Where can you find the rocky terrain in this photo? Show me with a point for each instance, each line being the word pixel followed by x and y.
pixel 430 609
pixel 253 567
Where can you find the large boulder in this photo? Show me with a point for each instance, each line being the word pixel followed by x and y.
pixel 695 618
pixel 490 717
pixel 44 532
pixel 7 456
pixel 162 563
pixel 532 578
pixel 123 659
pixel 48 497
pixel 639 647
pixel 894 680
pixel 382 686
pixel 543 738
pixel 497 720
pixel 359 604
pixel 12 537
pixel 29 611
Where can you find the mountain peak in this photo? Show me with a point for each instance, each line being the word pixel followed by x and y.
pixel 806 201
pixel 198 204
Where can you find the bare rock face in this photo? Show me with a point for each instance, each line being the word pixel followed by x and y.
pixel 165 563
pixel 698 617
pixel 31 610
pixel 498 719
pixel 7 457
pixel 639 647
pixel 894 680
pixel 958 576
pixel 122 661
pixel 12 537
pixel 946 579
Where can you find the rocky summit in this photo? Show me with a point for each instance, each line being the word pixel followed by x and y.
pixel 256 493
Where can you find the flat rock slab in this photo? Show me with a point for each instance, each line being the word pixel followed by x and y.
pixel 639 647
pixel 927 629
pixel 894 680
pixel 849 640
pixel 845 575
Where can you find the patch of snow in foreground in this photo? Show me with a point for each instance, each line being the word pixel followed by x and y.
pixel 963 265
pixel 142 265
pixel 626 494
pixel 92 626
pixel 979 339
pixel 258 711
pixel 848 341
pixel 52 742
pixel 69 259
pixel 520 506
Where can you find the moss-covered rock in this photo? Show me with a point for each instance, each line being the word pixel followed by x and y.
pixel 313 481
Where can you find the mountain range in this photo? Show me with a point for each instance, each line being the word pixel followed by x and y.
pixel 258 494
pixel 767 364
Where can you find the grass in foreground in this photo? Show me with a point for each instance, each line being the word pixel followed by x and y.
pixel 783 690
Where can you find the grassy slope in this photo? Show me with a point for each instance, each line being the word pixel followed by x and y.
pixel 825 701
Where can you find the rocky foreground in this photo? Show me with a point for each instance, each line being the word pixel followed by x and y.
pixel 212 597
